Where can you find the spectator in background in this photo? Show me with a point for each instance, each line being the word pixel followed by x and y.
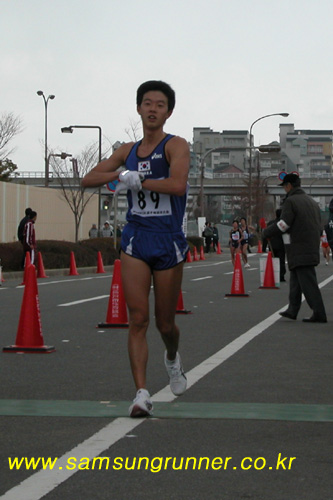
pixel 29 236
pixel 208 235
pixel 93 231
pixel 215 237
pixel 277 245
pixel 106 230
pixel 20 232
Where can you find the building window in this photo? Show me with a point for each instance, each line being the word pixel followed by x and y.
pixel 315 149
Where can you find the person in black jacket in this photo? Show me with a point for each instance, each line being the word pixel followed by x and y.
pixel 277 246
pixel 20 232
pixel 300 224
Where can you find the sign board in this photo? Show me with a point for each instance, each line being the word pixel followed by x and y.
pixel 201 225
pixel 282 175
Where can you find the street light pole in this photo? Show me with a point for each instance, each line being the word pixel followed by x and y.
pixel 250 159
pixel 69 130
pixel 46 100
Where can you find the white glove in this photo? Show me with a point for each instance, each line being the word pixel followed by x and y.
pixel 130 179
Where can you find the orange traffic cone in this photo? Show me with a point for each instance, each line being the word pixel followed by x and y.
pixel 218 251
pixel 72 269
pixel 259 247
pixel 40 267
pixel 180 309
pixel 189 257
pixel 117 313
pixel 269 280
pixel 202 255
pixel 27 263
pixel 29 336
pixel 237 287
pixel 195 254
pixel 100 266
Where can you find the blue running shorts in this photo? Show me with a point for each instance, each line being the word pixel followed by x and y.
pixel 159 250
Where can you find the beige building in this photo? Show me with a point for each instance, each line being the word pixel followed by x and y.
pixel 55 220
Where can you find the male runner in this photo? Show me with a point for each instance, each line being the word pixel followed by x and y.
pixel 153 244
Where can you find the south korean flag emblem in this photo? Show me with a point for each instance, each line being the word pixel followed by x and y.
pixel 144 166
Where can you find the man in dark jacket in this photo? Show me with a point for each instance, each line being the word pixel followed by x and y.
pixel 20 232
pixel 277 245
pixel 301 227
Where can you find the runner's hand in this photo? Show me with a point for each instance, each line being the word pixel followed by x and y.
pixel 131 179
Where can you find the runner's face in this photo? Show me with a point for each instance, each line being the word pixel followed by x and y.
pixel 154 109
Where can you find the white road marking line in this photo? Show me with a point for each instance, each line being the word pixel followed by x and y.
pixel 83 301
pixel 44 481
pixel 55 282
pixel 203 278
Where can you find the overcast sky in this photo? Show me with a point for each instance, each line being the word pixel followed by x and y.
pixel 230 62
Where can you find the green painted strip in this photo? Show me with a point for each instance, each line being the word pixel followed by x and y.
pixel 114 409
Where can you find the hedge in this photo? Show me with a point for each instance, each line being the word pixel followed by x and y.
pixel 56 254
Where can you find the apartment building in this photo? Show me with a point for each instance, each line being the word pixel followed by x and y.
pixel 307 151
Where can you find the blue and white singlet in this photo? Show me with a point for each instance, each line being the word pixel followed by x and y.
pixel 153 211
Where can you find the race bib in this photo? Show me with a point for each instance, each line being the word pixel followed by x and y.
pixel 150 204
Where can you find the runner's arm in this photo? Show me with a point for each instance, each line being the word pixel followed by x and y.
pixel 107 170
pixel 178 155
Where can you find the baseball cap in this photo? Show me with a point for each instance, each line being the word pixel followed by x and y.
pixel 292 178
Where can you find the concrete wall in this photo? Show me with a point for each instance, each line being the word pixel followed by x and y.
pixel 55 220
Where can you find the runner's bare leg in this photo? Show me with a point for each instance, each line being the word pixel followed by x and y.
pixel 136 280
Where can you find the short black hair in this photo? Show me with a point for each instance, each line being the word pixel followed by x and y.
pixel 32 214
pixel 28 211
pixel 161 87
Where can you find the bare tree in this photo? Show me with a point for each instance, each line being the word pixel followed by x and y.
pixel 69 173
pixel 134 130
pixel 10 126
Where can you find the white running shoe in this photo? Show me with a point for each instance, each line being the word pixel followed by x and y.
pixel 142 405
pixel 178 381
pixel 247 265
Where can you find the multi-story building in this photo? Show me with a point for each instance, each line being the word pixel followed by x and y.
pixel 308 151
pixel 232 148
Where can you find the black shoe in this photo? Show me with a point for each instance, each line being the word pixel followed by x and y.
pixel 315 319
pixel 282 279
pixel 286 314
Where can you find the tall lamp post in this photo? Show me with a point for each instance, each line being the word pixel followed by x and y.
pixel 69 130
pixel 250 159
pixel 46 101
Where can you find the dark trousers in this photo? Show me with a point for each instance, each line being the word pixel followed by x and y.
pixel 304 280
pixel 208 242
pixel 280 253
pixel 23 256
